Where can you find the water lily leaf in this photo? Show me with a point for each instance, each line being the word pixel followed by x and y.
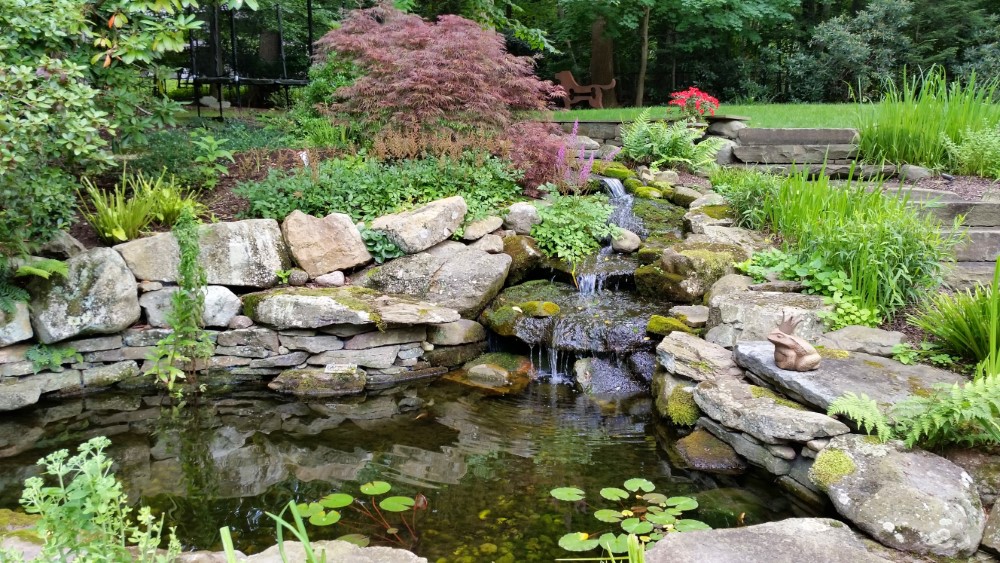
pixel 357 539
pixel 567 493
pixel 337 500
pixel 654 537
pixel 661 519
pixel 373 488
pixel 613 543
pixel 639 485
pixel 324 518
pixel 682 503
pixel 687 525
pixel 392 530
pixel 612 493
pixel 655 498
pixel 606 515
pixel 396 504
pixel 636 526
pixel 577 541
pixel 307 510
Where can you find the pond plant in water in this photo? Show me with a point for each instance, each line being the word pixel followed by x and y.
pixel 647 515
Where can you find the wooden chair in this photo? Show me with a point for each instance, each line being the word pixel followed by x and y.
pixel 591 93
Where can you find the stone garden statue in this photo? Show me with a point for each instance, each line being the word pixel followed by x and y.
pixel 790 351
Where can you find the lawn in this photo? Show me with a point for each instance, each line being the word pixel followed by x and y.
pixel 761 115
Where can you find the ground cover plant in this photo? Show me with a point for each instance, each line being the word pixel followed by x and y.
pixel 572 227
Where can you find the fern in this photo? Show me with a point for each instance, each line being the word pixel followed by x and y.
pixel 671 144
pixel 962 414
pixel 865 413
pixel 51 357
pixel 43 268
pixel 636 143
pixel 10 295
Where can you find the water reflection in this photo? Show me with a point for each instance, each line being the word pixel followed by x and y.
pixel 486 464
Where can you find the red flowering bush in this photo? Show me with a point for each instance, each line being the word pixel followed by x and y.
pixel 694 103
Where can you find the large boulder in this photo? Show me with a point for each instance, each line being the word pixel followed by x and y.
pixel 98 296
pixel 521 217
pixel 321 246
pixel 750 409
pixel 451 275
pixel 750 315
pixel 221 305
pixel 335 550
pixel 884 380
pixel 688 356
pixel 313 308
pixel 16 326
pixel 334 380
pixel 686 271
pixel 788 541
pixel 525 257
pixel 701 451
pixel 241 253
pixel 910 500
pixel 419 229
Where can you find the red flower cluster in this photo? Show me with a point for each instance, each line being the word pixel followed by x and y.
pixel 694 103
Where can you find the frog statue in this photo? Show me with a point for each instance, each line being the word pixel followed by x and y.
pixel 790 351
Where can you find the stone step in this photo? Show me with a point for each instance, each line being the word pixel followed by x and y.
pixel 983 245
pixel 968 275
pixel 977 213
pixel 860 171
pixel 777 136
pixel 794 153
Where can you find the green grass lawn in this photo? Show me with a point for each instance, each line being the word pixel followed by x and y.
pixel 761 115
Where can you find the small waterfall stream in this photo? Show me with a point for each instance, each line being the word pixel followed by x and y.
pixel 596 270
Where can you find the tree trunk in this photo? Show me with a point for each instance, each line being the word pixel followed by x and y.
pixel 602 60
pixel 640 88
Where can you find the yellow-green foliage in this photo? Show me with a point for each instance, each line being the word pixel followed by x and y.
pixel 632 184
pixel 831 465
pixel 832 353
pixel 539 308
pixel 681 408
pixel 612 170
pixel 658 324
pixel 646 192
pixel 761 392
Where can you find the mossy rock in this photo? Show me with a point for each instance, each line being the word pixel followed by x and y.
pixel 501 320
pixel 632 184
pixel 762 392
pixel 658 324
pixel 539 309
pixel 665 188
pixel 525 257
pixel 831 466
pixel 660 217
pixel 716 211
pixel 681 408
pixel 651 279
pixel 702 451
pixel 612 170
pixel 355 298
pixel 19 525
pixel 514 363
pixel 648 193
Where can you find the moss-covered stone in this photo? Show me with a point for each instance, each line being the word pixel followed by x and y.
pixel 646 192
pixel 716 211
pixel 525 257
pixel 539 309
pixel 832 353
pixel 761 392
pixel 712 262
pixel 681 408
pixel 19 525
pixel 632 184
pixel 501 320
pixel 658 324
pixel 702 451
pixel 612 170
pixel 513 363
pixel 353 297
pixel 831 466
pixel 650 280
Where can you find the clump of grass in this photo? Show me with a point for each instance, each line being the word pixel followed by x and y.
pixel 745 190
pixel 978 154
pixel 913 120
pixel 960 321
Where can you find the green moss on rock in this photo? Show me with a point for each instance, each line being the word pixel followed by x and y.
pixel 539 309
pixel 716 211
pixel 651 279
pixel 501 321
pixel 711 263
pixel 612 170
pixel 19 525
pixel 511 362
pixel 632 184
pixel 681 408
pixel 764 393
pixel 831 466
pixel 658 324
pixel 646 192
pixel 832 353
pixel 353 297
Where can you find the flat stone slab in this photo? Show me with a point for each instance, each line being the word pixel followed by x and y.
pixel 747 316
pixel 318 307
pixel 734 404
pixel 789 541
pixel 865 339
pixel 793 154
pixel 909 500
pixel 794 136
pixel 884 380
pixel 688 356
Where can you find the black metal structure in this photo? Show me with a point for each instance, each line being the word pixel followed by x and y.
pixel 219 76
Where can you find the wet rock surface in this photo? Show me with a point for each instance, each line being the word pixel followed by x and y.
pixel 702 451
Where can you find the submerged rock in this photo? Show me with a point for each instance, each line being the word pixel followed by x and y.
pixel 603 378
pixel 702 451
pixel 729 507
pixel 910 500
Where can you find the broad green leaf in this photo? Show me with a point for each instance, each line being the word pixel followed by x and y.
pixel 357 539
pixel 324 518
pixel 396 504
pixel 577 541
pixel 613 493
pixel 639 485
pixel 308 509
pixel 636 526
pixel 613 543
pixel 655 498
pixel 374 488
pixel 606 515
pixel 337 500
pixel 661 519
pixel 691 525
pixel 567 493
pixel 682 503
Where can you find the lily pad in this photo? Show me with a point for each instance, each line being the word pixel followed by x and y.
pixel 337 500
pixel 607 515
pixel 636 526
pixel 324 518
pixel 567 493
pixel 637 484
pixel 396 504
pixel 613 493
pixel 308 510
pixel 661 519
pixel 578 541
pixel 691 525
pixel 613 543
pixel 654 498
pixel 359 540
pixel 373 488
pixel 682 503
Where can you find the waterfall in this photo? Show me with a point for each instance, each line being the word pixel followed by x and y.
pixel 591 279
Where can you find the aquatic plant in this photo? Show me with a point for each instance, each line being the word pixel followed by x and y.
pixel 641 512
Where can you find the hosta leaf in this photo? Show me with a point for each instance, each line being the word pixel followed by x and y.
pixel 691 525
pixel 396 504
pixel 612 493
pixel 337 500
pixel 636 526
pixel 577 541
pixel 639 485
pixel 324 518
pixel 611 516
pixel 567 493
pixel 373 488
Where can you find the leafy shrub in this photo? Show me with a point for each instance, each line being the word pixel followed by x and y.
pixel 35 204
pixel 659 143
pixel 168 150
pixel 208 156
pixel 978 153
pixel 572 227
pixel 912 122
pixel 745 189
pixel 366 188
pixel 959 321
pixel 85 515
pixel 380 246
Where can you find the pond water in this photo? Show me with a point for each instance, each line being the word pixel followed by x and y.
pixel 485 463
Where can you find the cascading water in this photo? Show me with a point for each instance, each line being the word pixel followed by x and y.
pixel 595 271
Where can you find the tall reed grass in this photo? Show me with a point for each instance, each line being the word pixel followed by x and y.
pixel 891 252
pixel 911 122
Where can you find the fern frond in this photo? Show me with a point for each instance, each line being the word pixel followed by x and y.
pixel 865 413
pixel 43 268
pixel 957 414
pixel 11 295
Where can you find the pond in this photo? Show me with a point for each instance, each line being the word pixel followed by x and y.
pixel 485 463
